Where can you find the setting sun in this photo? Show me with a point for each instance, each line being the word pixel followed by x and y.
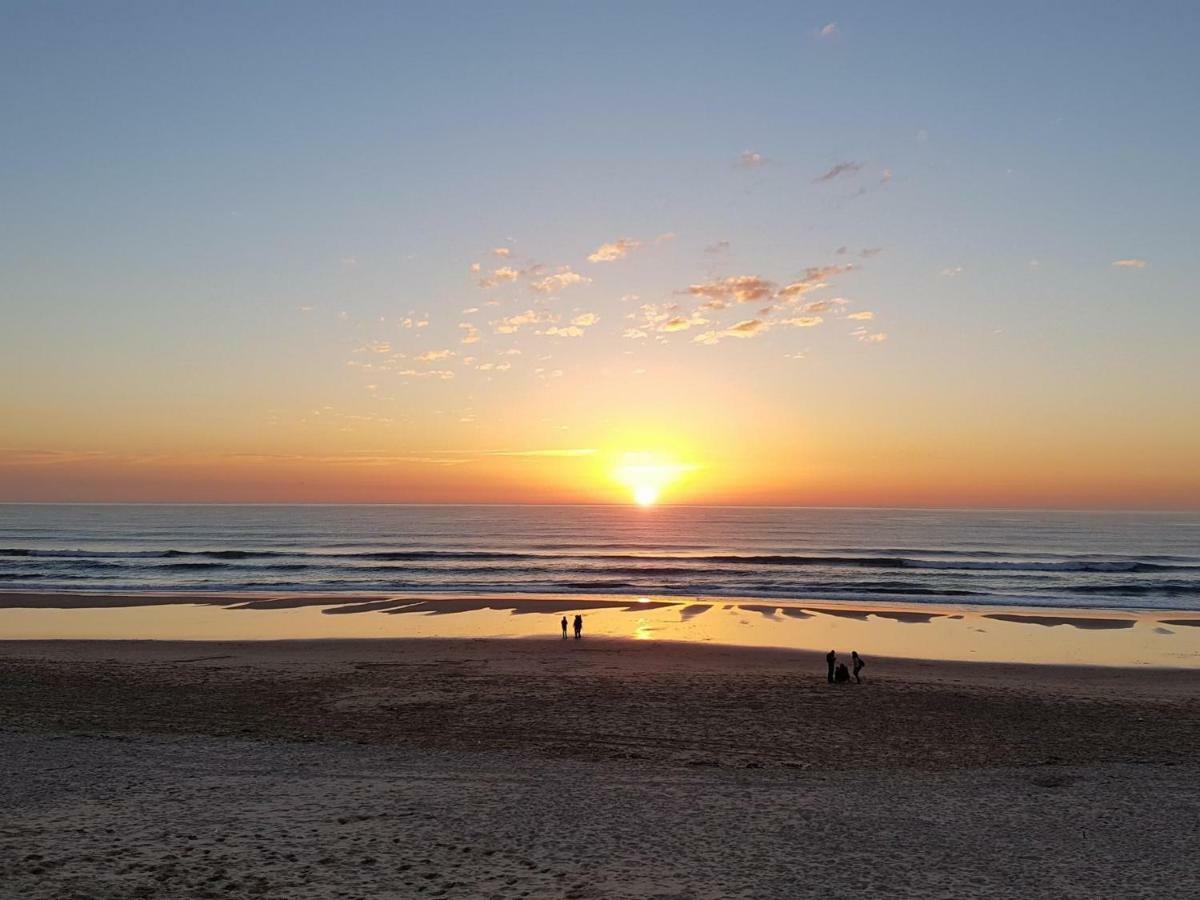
pixel 648 474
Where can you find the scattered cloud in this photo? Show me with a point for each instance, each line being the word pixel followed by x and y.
pixel 1132 263
pixel 742 288
pixel 584 320
pixel 830 31
pixel 951 271
pixel 439 374
pixel 842 168
pixel 747 328
pixel 563 331
pixel 614 250
pixel 869 337
pixel 472 333
pixel 500 276
pixel 868 252
pixel 716 249
pixel 502 251
pixel 569 452
pixel 751 160
pixel 864 316
pixel 475 267
pixel 802 321
pixel 513 323
pixel 434 355
pixel 559 281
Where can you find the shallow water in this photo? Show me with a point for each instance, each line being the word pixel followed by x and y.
pixel 920 631
pixel 1035 558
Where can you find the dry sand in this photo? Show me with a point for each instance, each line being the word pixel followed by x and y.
pixel 601 768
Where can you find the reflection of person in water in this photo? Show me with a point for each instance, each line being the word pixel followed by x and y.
pixel 578 626
pixel 831 661
pixel 564 627
pixel 857 660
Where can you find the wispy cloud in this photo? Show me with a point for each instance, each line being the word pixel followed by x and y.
pixel 951 271
pixel 502 251
pixel 434 355
pixel 1131 263
pixel 500 276
pixel 742 288
pixel 842 168
pixel 829 31
pixel 614 250
pixel 869 337
pixel 751 160
pixel 747 328
pixel 559 281
pixel 513 323
pixel 472 333
pixel 568 451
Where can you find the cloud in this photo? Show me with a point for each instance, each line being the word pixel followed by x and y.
pixel 634 334
pixel 559 281
pixel 869 337
pixel 434 355
pixel 830 31
pixel 1130 263
pixel 583 320
pixel 813 278
pixel 716 249
pixel 568 452
pixel 751 160
pixel 375 347
pixel 472 333
pixel 742 288
pixel 475 267
pixel 440 374
pixel 802 321
pixel 864 316
pixel 951 272
pixel 411 322
pixel 842 168
pixel 614 250
pixel 500 276
pixel 502 251
pixel 868 252
pixel 747 328
pixel 515 322
pixel 563 331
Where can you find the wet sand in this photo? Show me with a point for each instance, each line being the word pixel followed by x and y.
pixel 599 768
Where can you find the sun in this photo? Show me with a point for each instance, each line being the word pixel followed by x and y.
pixel 645 494
pixel 646 475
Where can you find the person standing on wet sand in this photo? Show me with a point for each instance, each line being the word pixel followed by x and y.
pixel 831 662
pixel 578 626
pixel 564 627
pixel 859 665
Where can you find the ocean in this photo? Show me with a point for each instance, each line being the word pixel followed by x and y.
pixel 991 557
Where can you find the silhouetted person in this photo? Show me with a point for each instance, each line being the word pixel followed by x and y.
pixel 842 675
pixel 857 660
pixel 578 627
pixel 831 661
pixel 564 626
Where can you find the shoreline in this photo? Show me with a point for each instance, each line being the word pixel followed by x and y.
pixel 1158 639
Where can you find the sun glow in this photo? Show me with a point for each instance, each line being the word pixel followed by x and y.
pixel 647 475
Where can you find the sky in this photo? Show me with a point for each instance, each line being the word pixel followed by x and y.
pixel 866 254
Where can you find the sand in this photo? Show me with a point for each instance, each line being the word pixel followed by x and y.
pixel 604 768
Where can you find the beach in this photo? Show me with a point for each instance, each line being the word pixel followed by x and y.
pixel 598 768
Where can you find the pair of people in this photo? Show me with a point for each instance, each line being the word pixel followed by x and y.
pixel 578 627
pixel 838 673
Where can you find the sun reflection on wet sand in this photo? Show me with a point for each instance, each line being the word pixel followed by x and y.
pixel 995 634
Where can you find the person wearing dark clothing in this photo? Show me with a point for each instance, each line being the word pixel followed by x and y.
pixel 578 627
pixel 859 665
pixel 842 676
pixel 831 661
pixel 564 627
